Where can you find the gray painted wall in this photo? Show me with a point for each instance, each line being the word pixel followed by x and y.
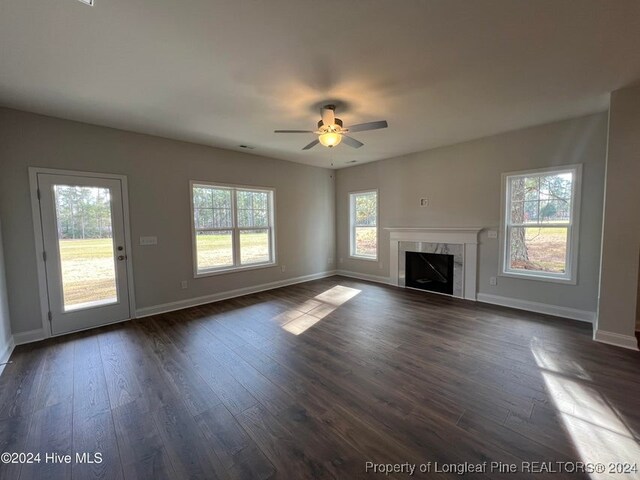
pixel 621 236
pixel 5 326
pixel 638 301
pixel 158 172
pixel 462 183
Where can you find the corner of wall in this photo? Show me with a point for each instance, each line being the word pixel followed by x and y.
pixel 619 282
pixel 6 354
pixel 611 338
pixel 6 339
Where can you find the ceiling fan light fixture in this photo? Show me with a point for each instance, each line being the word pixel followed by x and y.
pixel 331 131
pixel 330 139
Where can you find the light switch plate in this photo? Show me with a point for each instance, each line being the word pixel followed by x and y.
pixel 148 240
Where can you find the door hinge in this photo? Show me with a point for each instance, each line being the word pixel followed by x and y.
pixel 49 316
pixel 44 255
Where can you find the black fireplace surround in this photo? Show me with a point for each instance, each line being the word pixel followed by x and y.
pixel 429 271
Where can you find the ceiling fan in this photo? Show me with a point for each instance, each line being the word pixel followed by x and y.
pixel 331 131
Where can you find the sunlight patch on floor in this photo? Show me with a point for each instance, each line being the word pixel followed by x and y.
pixel 325 303
pixel 337 295
pixel 548 362
pixel 598 433
pixel 301 324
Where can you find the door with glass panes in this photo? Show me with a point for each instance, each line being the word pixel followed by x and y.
pixel 85 255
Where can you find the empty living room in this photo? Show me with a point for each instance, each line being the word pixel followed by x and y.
pixel 293 240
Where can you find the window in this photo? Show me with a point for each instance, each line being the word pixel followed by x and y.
pixel 232 227
pixel 540 224
pixel 364 224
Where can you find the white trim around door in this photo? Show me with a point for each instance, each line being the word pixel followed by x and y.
pixel 39 239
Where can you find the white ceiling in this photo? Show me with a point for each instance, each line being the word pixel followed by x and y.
pixel 225 73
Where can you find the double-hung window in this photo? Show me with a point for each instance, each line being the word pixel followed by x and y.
pixel 540 223
pixel 233 227
pixel 363 224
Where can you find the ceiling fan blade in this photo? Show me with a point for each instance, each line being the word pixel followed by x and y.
pixel 312 144
pixel 328 115
pixel 361 127
pixel 352 142
pixel 293 131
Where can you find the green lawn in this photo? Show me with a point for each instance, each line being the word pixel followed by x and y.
pixel 547 248
pixel 88 269
pixel 214 250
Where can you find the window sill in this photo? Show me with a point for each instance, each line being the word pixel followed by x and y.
pixel 223 271
pixel 368 259
pixel 539 278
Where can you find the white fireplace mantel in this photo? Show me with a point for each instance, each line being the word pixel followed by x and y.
pixel 466 236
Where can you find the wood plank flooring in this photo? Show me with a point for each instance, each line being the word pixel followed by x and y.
pixel 313 381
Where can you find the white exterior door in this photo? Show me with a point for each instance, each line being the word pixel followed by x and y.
pixel 83 233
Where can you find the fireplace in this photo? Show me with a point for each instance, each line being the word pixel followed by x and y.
pixel 460 242
pixel 429 271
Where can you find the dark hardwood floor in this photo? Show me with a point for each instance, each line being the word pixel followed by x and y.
pixel 313 381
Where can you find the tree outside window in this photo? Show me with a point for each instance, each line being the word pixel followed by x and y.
pixel 364 224
pixel 232 227
pixel 539 223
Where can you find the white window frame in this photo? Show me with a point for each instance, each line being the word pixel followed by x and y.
pixel 352 225
pixel 237 266
pixel 573 228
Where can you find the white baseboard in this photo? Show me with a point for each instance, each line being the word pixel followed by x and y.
pixel 4 355
pixel 216 297
pixel 364 276
pixel 617 339
pixel 555 310
pixel 38 334
pixel 28 337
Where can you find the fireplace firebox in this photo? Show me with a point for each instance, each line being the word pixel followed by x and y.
pixel 429 271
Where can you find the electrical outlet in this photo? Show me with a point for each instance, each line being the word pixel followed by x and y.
pixel 424 202
pixel 493 281
pixel 283 268
pixel 184 284
pixel 492 234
